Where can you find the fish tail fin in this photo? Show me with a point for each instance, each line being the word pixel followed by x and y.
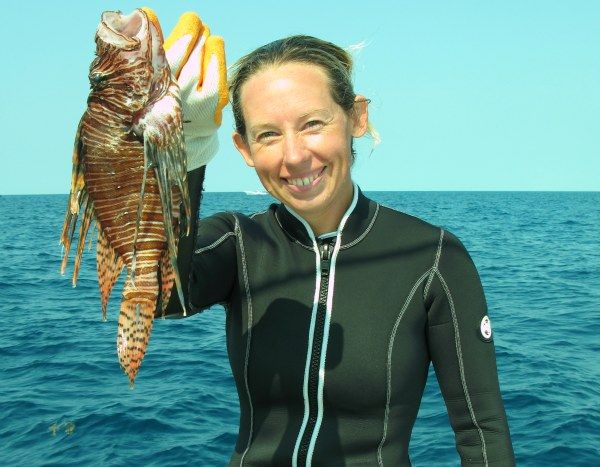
pixel 109 265
pixel 135 321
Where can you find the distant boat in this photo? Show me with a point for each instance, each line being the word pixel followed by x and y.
pixel 256 192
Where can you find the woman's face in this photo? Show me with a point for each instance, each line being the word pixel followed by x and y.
pixel 299 139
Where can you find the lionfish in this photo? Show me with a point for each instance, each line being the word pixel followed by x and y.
pixel 129 176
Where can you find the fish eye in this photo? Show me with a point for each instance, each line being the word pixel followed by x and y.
pixel 96 79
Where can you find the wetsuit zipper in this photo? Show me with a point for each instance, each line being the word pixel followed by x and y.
pixel 325 251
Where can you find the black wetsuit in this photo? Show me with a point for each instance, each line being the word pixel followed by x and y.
pixel 330 340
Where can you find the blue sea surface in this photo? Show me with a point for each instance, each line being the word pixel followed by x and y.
pixel 65 401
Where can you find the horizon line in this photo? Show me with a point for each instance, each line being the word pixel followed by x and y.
pixel 366 191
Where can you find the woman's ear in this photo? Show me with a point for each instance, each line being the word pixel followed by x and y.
pixel 242 146
pixel 360 116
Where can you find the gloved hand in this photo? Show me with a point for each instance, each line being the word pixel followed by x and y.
pixel 197 61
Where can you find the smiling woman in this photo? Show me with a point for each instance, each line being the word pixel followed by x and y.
pixel 336 306
pixel 301 114
pixel 299 141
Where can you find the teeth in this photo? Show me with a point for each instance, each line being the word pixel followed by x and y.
pixel 302 181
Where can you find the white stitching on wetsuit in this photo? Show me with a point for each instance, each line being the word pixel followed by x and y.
pixel 247 357
pixel 290 236
pixel 435 265
pixel 215 244
pixel 461 366
pixel 364 234
pixel 418 282
pixel 343 247
pixel 257 213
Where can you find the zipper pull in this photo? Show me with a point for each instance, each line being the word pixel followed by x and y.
pixel 325 250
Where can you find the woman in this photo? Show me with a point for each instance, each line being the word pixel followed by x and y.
pixel 335 305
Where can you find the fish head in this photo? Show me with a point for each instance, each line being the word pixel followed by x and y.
pixel 130 66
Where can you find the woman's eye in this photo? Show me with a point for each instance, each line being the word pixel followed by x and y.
pixel 313 124
pixel 266 136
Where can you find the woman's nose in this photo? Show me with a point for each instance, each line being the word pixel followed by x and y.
pixel 294 150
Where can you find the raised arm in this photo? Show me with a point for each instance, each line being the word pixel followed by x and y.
pixel 186 244
pixel 197 61
pixel 208 262
pixel 462 351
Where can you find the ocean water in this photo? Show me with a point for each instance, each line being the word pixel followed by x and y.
pixel 65 401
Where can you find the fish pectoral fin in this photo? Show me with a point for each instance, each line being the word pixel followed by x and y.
pixel 170 204
pixel 109 265
pixel 87 207
pixel 167 279
pixel 77 180
pixel 160 126
pixel 164 151
pixel 76 201
pixel 147 166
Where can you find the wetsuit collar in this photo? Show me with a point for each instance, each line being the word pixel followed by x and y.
pixel 358 223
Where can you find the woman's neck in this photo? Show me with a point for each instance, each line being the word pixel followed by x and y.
pixel 329 220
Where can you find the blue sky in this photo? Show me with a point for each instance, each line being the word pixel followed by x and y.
pixel 467 95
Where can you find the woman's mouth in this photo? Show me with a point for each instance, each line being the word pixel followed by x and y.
pixel 307 182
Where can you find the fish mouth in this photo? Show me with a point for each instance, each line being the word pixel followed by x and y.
pixel 123 31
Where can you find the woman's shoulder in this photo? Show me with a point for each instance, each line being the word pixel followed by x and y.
pixel 414 233
pixel 231 217
pixel 223 220
pixel 407 224
pixel 236 220
pixel 417 227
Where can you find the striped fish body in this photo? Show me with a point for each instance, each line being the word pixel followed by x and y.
pixel 129 176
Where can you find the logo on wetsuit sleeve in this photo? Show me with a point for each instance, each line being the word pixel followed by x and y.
pixel 485 328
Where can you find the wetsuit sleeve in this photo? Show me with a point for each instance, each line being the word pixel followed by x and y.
pixel 206 277
pixel 464 357
pixel 214 263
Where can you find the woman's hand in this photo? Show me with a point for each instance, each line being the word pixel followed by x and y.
pixel 197 61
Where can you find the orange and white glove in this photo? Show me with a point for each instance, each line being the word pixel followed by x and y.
pixel 197 61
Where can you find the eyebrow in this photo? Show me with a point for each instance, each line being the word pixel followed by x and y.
pixel 316 111
pixel 258 128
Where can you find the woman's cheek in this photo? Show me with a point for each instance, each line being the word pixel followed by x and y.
pixel 267 167
pixel 266 157
pixel 313 138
